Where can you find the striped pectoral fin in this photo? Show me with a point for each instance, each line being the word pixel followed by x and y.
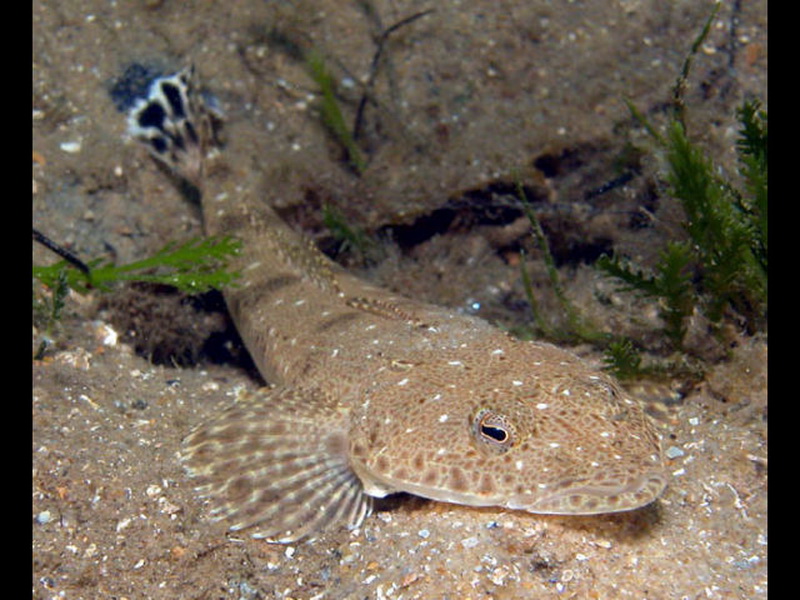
pixel 276 463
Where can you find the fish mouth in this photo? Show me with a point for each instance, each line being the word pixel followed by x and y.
pixel 589 498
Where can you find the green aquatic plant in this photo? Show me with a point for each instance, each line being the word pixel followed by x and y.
pixel 727 227
pixel 540 239
pixel 623 360
pixel 670 282
pixel 331 114
pixel 576 327
pixel 193 267
pixel 723 265
pixel 351 238
pixel 752 151
pixel 540 324
pixel 47 309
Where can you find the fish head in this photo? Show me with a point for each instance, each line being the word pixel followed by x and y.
pixel 523 425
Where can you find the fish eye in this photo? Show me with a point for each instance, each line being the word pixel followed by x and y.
pixel 493 431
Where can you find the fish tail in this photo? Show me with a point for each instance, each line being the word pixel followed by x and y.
pixel 176 123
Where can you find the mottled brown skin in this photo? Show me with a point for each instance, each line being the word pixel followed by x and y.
pixel 374 393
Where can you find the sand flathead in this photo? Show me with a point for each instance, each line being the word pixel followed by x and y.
pixel 373 393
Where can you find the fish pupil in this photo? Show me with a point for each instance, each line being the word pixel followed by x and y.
pixel 495 433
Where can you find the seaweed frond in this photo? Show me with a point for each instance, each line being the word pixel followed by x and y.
pixel 193 267
pixel 576 325
pixel 47 309
pixel 722 267
pixel 752 149
pixel 671 285
pixel 331 114
pixel 623 360
pixel 725 228
pixel 350 238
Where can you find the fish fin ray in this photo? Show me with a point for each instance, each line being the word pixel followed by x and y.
pixel 276 463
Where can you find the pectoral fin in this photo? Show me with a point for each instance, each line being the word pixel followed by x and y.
pixel 276 463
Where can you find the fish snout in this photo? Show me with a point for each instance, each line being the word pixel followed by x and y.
pixel 588 497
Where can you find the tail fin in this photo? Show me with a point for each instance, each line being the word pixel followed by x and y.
pixel 176 124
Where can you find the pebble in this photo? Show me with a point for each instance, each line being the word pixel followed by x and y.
pixel 70 147
pixel 106 334
pixel 498 575
pixel 673 452
pixel 78 358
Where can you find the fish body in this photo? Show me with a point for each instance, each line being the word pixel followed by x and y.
pixel 373 393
